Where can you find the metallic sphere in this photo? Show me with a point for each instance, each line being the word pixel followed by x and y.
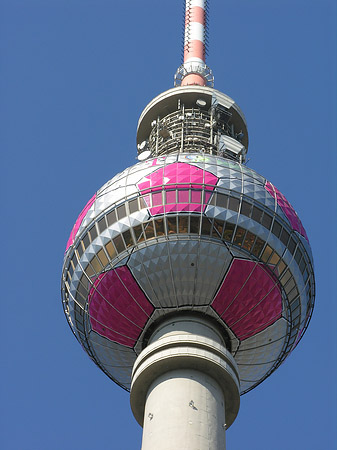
pixel 188 232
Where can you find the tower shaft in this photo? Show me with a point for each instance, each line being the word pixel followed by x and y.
pixel 185 387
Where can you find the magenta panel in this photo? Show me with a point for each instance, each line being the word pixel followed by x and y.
pixel 287 209
pixel 79 221
pixel 249 298
pixel 118 307
pixel 178 176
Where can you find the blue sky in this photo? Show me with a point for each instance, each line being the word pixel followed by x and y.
pixel 75 75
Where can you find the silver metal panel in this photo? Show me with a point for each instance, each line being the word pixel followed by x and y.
pixel 254 372
pixel 264 346
pixel 180 272
pixel 152 269
pixel 110 353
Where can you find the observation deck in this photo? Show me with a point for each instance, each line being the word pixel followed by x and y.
pixel 193 119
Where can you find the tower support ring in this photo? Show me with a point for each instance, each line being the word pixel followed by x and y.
pixel 185 378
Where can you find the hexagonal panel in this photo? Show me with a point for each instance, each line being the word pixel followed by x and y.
pixel 118 308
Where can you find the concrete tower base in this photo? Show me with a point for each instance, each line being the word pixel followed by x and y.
pixel 185 387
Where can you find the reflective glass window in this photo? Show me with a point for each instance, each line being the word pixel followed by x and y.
pixel 70 270
pixel 298 255
pixel 281 267
pixel 96 264
pixel 276 229
pixel 246 208
pixel 149 230
pixel 102 257
pixel 239 235
pixel 183 224
pixel 121 211
pixel 142 203
pixel 296 321
pixel 274 259
pixel 258 246
pixel 139 233
pixel 213 199
pixel 249 241
pixel 302 265
pixel 68 277
pixel 266 253
pixel 89 271
pixel 295 305
pixel 284 236
pixel 111 217
pixel 291 246
pixel 79 308
pixel 93 232
pixel 79 249
pixel 119 243
pixel 73 261
pixel 160 229
pixel 267 220
pixel 218 226
pixel 286 277
pixel 305 275
pixel 133 205
pixel 79 327
pixel 102 224
pixel 194 224
pixel 290 285
pixel 293 333
pixel 128 238
pixel 86 241
pixel 172 225
pixel 222 200
pixel 293 294
pixel 206 226
pixel 257 214
pixel 234 204
pixel 111 250
pixel 228 233
pixel 81 289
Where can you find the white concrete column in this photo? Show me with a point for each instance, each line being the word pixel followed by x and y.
pixel 185 387
pixel 184 410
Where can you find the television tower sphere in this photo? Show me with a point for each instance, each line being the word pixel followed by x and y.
pixel 189 245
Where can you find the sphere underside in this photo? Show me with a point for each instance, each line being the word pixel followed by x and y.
pixel 188 232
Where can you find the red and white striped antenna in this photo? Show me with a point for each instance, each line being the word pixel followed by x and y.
pixel 194 70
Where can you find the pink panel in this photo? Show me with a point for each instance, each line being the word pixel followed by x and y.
pixel 287 209
pixel 183 196
pixel 118 307
pixel 249 299
pixel 196 196
pixel 207 196
pixel 79 221
pixel 157 210
pixel 147 199
pixel 171 197
pixel 157 199
pixel 178 176
pixel 169 208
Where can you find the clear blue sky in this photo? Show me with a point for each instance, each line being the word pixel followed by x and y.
pixel 75 75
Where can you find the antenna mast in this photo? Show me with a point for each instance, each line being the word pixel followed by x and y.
pixel 194 70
